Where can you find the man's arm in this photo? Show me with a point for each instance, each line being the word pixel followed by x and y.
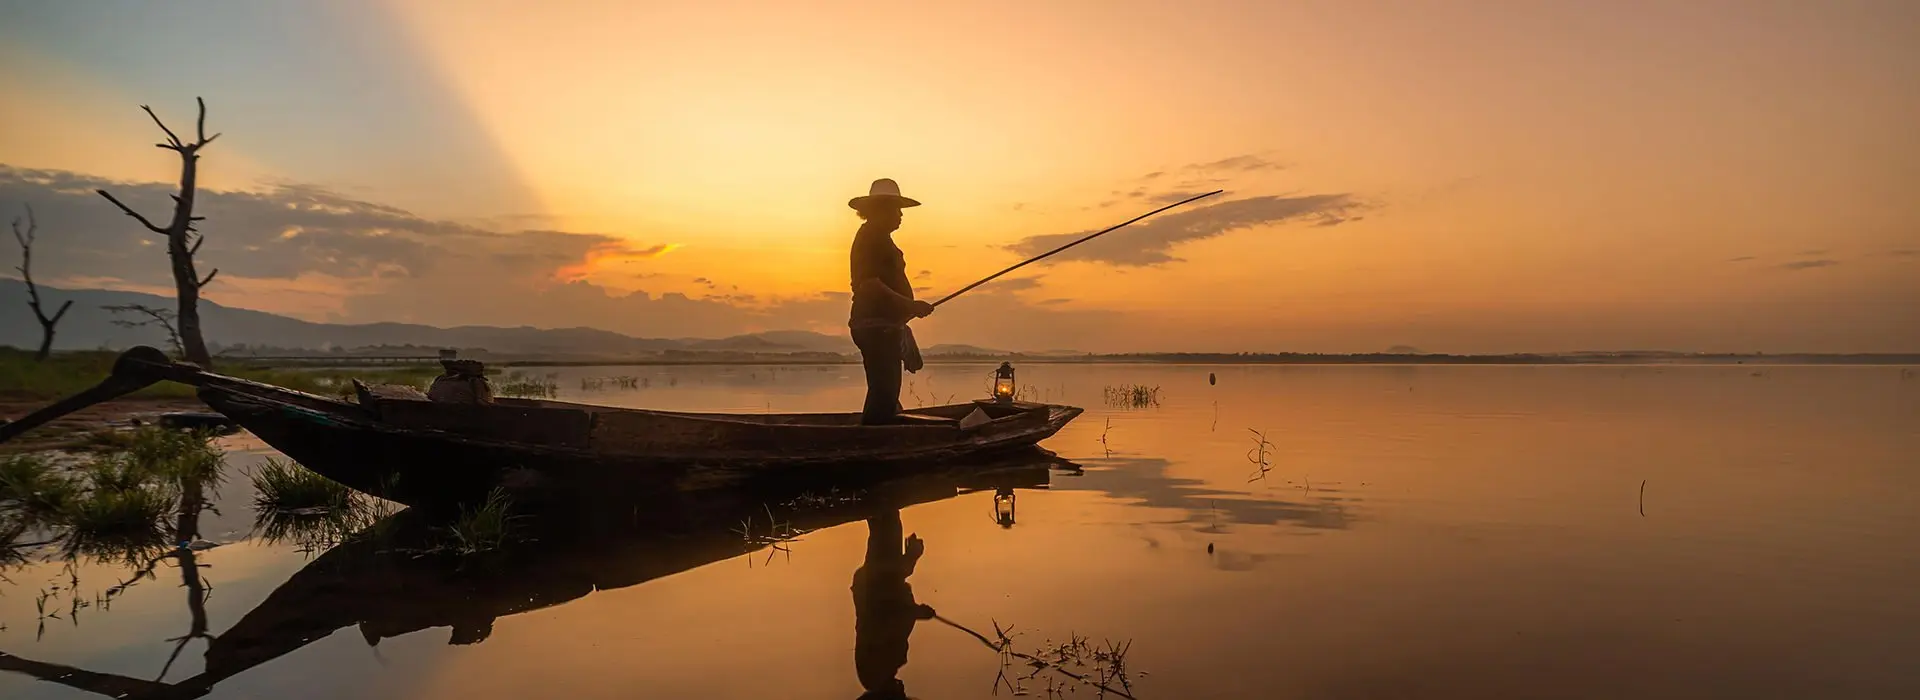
pixel 900 303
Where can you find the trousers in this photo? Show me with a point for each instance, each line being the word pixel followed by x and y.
pixel 880 355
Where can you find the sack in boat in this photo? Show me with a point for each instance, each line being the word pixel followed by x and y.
pixel 465 382
pixel 910 350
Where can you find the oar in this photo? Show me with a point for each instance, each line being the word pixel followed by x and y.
pixel 1083 239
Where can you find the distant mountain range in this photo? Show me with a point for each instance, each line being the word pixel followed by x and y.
pixel 88 326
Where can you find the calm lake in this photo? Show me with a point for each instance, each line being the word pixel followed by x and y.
pixel 1286 532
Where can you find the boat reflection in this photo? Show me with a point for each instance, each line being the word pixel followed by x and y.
pixel 380 584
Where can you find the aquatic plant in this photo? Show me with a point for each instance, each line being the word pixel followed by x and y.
pixel 117 472
pixel 617 382
pixel 483 527
pixel 318 528
pixel 11 549
pixel 1132 396
pixel 1101 668
pixel 117 524
pixel 153 456
pixel 34 488
pixel 526 386
pixel 285 486
pixel 179 456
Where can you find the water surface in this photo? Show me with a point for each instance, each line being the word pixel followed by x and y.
pixel 1289 531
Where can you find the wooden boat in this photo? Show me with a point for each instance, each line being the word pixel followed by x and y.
pixel 417 451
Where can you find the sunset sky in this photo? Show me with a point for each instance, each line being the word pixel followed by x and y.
pixel 1474 176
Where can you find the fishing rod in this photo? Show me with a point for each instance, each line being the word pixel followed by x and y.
pixel 1083 239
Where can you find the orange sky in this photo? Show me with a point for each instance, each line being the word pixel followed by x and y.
pixel 1520 175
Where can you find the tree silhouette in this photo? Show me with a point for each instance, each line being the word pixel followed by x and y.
pixel 183 240
pixel 154 317
pixel 47 323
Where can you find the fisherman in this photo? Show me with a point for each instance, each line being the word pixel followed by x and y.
pixel 883 301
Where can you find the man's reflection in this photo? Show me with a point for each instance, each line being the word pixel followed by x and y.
pixel 883 606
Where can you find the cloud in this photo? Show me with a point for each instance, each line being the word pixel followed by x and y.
pixel 1174 196
pixel 1741 259
pixel 1904 253
pixel 1242 163
pixel 1014 284
pixel 282 232
pixel 1151 242
pixel 1812 253
pixel 923 275
pixel 1809 264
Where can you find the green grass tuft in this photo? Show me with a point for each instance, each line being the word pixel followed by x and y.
pixel 124 525
pixel 34 487
pixel 283 485
pixel 484 527
pixel 118 472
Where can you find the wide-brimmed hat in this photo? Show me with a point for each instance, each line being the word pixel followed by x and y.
pixel 883 191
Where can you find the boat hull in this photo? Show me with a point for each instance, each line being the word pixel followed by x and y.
pixel 367 449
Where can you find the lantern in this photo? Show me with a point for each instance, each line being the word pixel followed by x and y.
pixel 1003 386
pixel 1003 507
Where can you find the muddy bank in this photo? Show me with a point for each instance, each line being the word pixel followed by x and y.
pixel 76 429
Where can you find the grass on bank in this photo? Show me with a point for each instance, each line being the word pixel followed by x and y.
pixel 68 373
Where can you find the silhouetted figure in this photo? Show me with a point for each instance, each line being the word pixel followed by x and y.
pixel 882 301
pixel 883 608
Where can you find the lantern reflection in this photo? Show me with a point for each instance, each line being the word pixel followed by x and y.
pixel 1003 507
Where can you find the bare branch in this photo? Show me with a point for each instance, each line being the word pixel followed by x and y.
pixel 175 140
pixel 200 127
pixel 196 245
pixel 26 241
pixel 62 312
pixel 130 212
pixel 209 277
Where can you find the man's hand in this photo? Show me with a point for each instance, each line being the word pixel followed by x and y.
pixel 915 547
pixel 921 309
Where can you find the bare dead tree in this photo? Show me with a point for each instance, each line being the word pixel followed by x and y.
pixel 183 239
pixel 154 317
pixel 33 291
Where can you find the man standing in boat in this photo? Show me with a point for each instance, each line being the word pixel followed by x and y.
pixel 883 301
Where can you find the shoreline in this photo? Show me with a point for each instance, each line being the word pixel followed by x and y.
pixel 77 429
